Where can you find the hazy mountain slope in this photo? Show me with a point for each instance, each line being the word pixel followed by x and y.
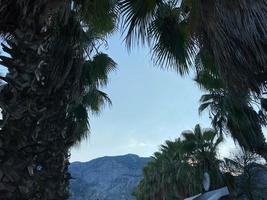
pixel 107 178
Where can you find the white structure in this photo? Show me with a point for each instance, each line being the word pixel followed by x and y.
pixel 206 181
pixel 192 198
pixel 212 195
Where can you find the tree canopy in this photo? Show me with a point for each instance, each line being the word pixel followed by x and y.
pixel 176 171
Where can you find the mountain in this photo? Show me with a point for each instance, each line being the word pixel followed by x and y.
pixel 106 178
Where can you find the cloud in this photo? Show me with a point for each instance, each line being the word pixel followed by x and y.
pixel 133 143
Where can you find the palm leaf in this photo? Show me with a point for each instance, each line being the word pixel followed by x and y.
pixel 169 39
pixel 203 107
pixel 95 99
pixel 137 17
pixel 188 135
pixel 100 16
pixel 95 71
pixel 209 134
pixel 79 117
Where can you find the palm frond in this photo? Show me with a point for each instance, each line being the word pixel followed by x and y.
pixel 236 40
pixel 95 99
pixel 207 76
pixel 159 24
pixel 95 71
pixel 99 16
pixel 245 128
pixel 198 131
pixel 169 38
pixel 209 134
pixel 188 135
pixel 203 106
pixel 137 16
pixel 79 116
pixel 219 140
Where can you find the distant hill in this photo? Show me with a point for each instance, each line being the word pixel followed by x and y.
pixel 106 178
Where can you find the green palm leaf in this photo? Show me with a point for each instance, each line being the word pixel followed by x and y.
pixel 158 23
pixel 209 134
pixel 95 71
pixel 137 16
pixel 95 99
pixel 79 116
pixel 169 39
pixel 100 16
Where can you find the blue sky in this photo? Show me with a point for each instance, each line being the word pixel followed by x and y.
pixel 150 105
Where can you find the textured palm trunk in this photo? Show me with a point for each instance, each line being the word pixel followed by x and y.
pixel 42 81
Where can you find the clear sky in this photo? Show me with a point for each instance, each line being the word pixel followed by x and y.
pixel 150 105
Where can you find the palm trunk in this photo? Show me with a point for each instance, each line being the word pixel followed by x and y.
pixel 43 80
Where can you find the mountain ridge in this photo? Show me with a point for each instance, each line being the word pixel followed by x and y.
pixel 106 178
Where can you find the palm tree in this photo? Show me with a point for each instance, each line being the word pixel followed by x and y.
pixel 50 84
pixel 233 113
pixel 162 176
pixel 176 172
pixel 201 146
